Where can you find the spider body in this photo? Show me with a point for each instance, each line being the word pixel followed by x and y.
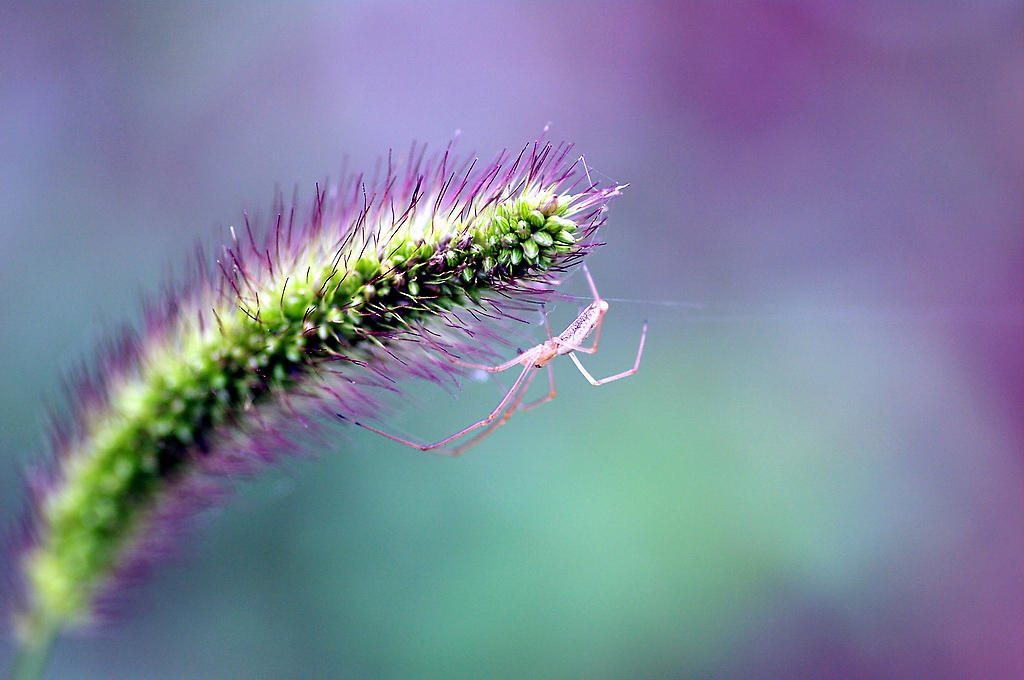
pixel 580 329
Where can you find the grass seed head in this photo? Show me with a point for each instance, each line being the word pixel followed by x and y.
pixel 314 313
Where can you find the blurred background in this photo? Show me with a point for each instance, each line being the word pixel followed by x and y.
pixel 818 471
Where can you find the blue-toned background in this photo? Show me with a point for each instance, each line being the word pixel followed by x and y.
pixel 817 473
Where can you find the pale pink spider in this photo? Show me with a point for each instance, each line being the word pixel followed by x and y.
pixel 568 342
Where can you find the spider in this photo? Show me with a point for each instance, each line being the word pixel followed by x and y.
pixel 532 360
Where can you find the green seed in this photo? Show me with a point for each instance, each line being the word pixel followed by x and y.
pixel 530 250
pixel 543 239
pixel 556 224
pixel 548 207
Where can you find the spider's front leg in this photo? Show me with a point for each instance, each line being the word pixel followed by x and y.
pixel 617 376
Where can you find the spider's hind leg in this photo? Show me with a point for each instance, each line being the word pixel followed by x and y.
pixel 546 398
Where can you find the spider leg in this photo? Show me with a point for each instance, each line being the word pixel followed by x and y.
pixel 617 376
pixel 517 405
pixel 546 398
pixel 509 411
pixel 551 377
pixel 590 281
pixel 547 326
pixel 514 396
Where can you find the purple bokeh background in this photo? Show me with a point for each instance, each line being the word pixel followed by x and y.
pixel 855 165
